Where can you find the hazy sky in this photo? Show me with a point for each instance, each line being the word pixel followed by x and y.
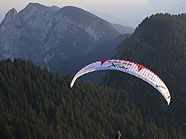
pixel 126 12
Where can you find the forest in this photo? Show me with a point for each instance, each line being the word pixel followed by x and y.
pixel 36 103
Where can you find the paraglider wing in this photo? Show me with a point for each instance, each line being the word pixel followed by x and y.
pixel 132 68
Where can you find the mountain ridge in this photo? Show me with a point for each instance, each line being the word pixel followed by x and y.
pixel 40 34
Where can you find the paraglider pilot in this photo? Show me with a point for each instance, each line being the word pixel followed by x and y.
pixel 118 135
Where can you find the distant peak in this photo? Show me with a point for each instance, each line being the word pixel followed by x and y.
pixel 37 5
pixel 42 7
pixel 77 13
pixel 10 16
pixel 33 4
pixel 72 8
pixel 12 11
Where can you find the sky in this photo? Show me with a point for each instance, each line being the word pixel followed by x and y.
pixel 125 12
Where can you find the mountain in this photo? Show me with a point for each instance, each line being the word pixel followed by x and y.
pixel 123 29
pixel 159 43
pixel 46 34
pixel 35 103
pixel 103 51
pixel 72 65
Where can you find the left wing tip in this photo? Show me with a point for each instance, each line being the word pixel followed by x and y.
pixel 71 85
pixel 168 100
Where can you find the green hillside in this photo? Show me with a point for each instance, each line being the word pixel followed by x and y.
pixel 159 43
pixel 37 104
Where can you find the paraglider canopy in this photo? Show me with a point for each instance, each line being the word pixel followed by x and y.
pixel 129 67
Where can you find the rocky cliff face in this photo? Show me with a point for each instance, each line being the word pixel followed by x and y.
pixel 42 34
